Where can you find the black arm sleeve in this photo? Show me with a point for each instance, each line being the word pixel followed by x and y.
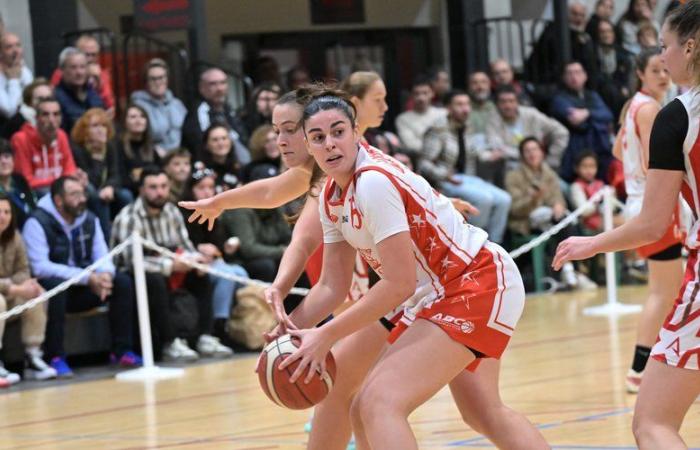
pixel 667 136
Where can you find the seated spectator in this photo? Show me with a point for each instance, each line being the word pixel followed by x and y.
pixel 441 85
pixel 450 165
pixel 14 75
pixel 74 93
pixel 647 36
pixel 43 154
pixel 38 89
pixel 258 110
pixel 483 110
pixel 542 65
pixel 538 204
pixel 178 167
pixel 89 46
pixel 62 239
pixel 502 75
pixel 16 287
pixel 514 122
pixel 213 110
pixel 616 68
pixel 220 245
pixel 135 147
pixel 264 234
pixel 98 158
pixel 584 187
pixel 219 155
pixel 412 124
pixel 166 113
pixel 297 77
pixel 588 119
pixel 263 150
pixel 638 12
pixel 14 186
pixel 604 10
pixel 160 222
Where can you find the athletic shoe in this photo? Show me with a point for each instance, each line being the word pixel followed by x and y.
pixel 633 381
pixel 178 350
pixel 128 359
pixel 35 366
pixel 208 345
pixel 584 283
pixel 8 376
pixel 568 275
pixel 62 368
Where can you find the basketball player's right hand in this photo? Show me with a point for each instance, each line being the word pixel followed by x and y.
pixel 204 211
pixel 573 249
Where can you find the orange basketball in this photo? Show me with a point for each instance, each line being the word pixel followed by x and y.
pixel 275 383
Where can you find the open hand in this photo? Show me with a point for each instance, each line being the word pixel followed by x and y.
pixel 204 211
pixel 573 249
pixel 312 354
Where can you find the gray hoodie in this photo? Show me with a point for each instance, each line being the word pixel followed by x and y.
pixel 165 115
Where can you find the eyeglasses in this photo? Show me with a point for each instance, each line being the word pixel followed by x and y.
pixel 205 172
pixel 158 78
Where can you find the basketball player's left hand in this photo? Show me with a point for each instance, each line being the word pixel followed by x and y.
pixel 312 352
pixel 573 249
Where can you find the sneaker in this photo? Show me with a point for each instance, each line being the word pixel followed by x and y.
pixel 633 380
pixel 584 283
pixel 4 383
pixel 62 368
pixel 178 350
pixel 568 275
pixel 36 368
pixel 128 359
pixel 8 376
pixel 211 346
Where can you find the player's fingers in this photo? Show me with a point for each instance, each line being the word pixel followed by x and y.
pixel 211 224
pixel 313 370
pixel 303 364
pixel 194 216
pixel 289 324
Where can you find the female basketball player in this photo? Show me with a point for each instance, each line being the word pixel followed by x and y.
pixel 671 381
pixel 664 256
pixel 458 295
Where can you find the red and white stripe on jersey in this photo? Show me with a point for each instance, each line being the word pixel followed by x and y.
pixel 444 245
pixel 690 188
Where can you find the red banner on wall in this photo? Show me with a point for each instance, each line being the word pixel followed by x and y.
pixel 162 15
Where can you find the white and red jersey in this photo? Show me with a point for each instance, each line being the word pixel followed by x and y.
pixel 690 189
pixel 385 198
pixel 635 162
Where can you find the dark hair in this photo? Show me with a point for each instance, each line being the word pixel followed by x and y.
pixel 629 14
pixel 46 100
pixel 685 22
pixel 435 71
pixel 641 62
pixel 58 187
pixel 570 63
pixel 583 155
pixel 421 80
pixel 199 172
pixel 329 99
pixel 5 147
pixel 289 77
pixel 211 128
pixel 451 94
pixel 9 233
pixel 147 150
pixel 150 170
pixel 179 152
pixel 504 89
pixel 527 140
pixel 28 91
pixel 152 64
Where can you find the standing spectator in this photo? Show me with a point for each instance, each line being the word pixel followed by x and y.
pixel 14 75
pixel 604 10
pixel 483 110
pixel 166 113
pixel 502 75
pixel 43 154
pixel 588 119
pixel 89 46
pixel 213 109
pixel 616 68
pixel 73 92
pixel 450 165
pixel 178 167
pixel 62 239
pixel 258 110
pixel 219 154
pixel 411 125
pixel 135 147
pixel 220 245
pixel 15 186
pixel 263 150
pixel 161 222
pixel 263 233
pixel 515 122
pixel 38 89
pixel 96 155
pixel 16 287
pixel 638 11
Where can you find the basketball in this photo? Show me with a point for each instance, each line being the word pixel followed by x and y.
pixel 275 383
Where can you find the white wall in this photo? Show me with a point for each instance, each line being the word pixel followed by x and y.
pixel 15 14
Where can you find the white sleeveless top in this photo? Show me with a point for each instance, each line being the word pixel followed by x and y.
pixel 633 159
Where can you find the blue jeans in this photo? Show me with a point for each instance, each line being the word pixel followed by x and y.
pixel 493 203
pixel 224 289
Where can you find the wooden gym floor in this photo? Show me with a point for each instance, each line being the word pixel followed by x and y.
pixel 565 371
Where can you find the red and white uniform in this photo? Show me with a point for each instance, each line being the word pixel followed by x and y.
pixel 636 166
pixel 468 286
pixel 678 343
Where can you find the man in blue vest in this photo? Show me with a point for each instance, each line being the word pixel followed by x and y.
pixel 63 238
